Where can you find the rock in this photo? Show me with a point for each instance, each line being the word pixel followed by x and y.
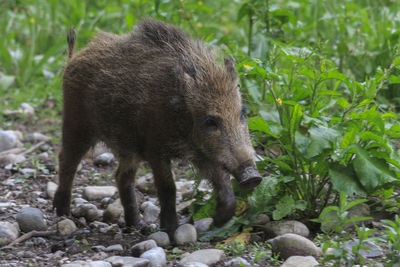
pixel 8 233
pixel 74 264
pixel 161 238
pixel 373 251
pixel 114 212
pixel 7 140
pixel 145 184
pixel 43 156
pixel 30 219
pixel 128 261
pixel 150 212
pixel 99 248
pixel 184 188
pixel 185 234
pixel 238 262
pixel 36 137
pixel 293 245
pixel 300 261
pixel 205 256
pixel 28 171
pixel 17 134
pixel 143 246
pixel 276 228
pixel 98 192
pixel 104 159
pixel 27 109
pixel 99 264
pixel 11 159
pixel 360 210
pixel 88 211
pixel 66 227
pixel 203 225
pixel 261 219
pixel 51 189
pixel 156 256
pixel 117 247
pixel 192 264
pixel 78 201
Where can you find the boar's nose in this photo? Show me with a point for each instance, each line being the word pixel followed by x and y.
pixel 247 176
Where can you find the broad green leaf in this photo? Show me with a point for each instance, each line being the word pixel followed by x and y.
pixel 302 142
pixel 344 180
pixel 295 119
pixel 365 102
pixel 283 208
pixel 264 193
pixel 321 138
pixel 6 81
pixel 349 138
pixel 343 102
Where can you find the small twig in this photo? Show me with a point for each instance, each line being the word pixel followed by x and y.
pixel 12 151
pixel 34 147
pixel 29 235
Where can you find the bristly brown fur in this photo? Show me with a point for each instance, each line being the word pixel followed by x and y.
pixel 154 94
pixel 71 39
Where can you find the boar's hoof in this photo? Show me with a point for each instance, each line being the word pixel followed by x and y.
pixel 61 203
pixel 250 178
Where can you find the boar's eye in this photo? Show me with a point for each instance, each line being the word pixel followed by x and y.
pixel 211 123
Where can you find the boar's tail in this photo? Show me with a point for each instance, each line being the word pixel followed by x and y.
pixel 71 39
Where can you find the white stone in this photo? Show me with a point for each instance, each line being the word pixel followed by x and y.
pixel 98 192
pixel 300 261
pixel 128 261
pixel 205 256
pixel 145 184
pixel 116 247
pixel 51 189
pixel 203 225
pixel 27 109
pixel 7 140
pixel 104 159
pixel 185 234
pixel 276 228
pixel 143 246
pixel 156 256
pixel 238 262
pixel 114 212
pixel 161 238
pixel 88 211
pixel 66 227
pixel 99 264
pixel 11 159
pixel 8 233
pixel 151 212
pixel 36 137
pixel 294 245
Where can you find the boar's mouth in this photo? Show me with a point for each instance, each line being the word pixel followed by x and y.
pixel 247 176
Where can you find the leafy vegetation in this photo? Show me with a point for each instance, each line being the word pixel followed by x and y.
pixel 321 81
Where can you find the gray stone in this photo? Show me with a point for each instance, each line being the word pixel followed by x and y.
pixel 99 248
pixel 205 256
pixel 143 246
pixel 127 261
pixel 27 109
pixel 98 192
pixel 114 212
pixel 51 189
pixel 88 211
pixel 36 137
pixel 156 256
pixel 11 159
pixel 28 171
pixel 293 245
pixel 43 156
pixel 192 264
pixel 17 134
pixel 30 219
pixel 203 225
pixel 184 188
pixel 360 210
pixel 74 264
pixel 238 262
pixel 373 251
pixel 99 264
pixel 185 234
pixel 104 159
pixel 116 247
pixel 8 233
pixel 276 228
pixel 7 140
pixel 300 261
pixel 145 184
pixel 161 238
pixel 66 227
pixel 78 201
pixel 150 212
pixel 261 219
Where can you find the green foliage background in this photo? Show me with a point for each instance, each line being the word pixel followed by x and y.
pixel 320 78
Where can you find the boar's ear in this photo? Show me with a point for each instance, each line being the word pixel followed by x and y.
pixel 184 78
pixel 230 67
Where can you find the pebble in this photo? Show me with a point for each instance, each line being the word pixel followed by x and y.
pixel 156 256
pixel 150 212
pixel 161 238
pixel 261 219
pixel 128 261
pixel 373 251
pixel 7 140
pixel 205 256
pixel 104 159
pixel 238 262
pixel 88 211
pixel 51 189
pixel 8 233
pixel 27 171
pixel 36 137
pixel 116 247
pixel 78 201
pixel 293 245
pixel 276 228
pixel 114 212
pixel 146 184
pixel 98 192
pixel 99 264
pixel 185 234
pixel 27 109
pixel 192 264
pixel 43 156
pixel 66 227
pixel 300 261
pixel 143 246
pixel 30 219
pixel 184 188
pixel 11 159
pixel 203 225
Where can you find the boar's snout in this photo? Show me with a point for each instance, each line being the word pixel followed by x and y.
pixel 247 176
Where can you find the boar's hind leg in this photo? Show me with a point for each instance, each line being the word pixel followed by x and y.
pixel 226 203
pixel 125 177
pixel 166 191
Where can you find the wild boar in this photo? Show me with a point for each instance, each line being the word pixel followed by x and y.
pixel 155 94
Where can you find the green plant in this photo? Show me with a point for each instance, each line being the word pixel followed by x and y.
pixel 392 236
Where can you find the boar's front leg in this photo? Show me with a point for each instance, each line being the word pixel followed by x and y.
pixel 125 176
pixel 166 191
pixel 226 202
